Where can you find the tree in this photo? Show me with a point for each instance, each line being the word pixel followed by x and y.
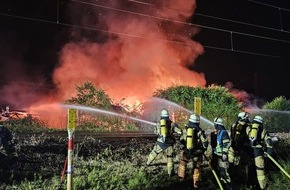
pixel 89 95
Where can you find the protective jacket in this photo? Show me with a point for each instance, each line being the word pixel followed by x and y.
pixel 194 139
pixel 260 142
pixel 259 137
pixel 194 144
pixel 223 142
pixel 238 133
pixel 165 130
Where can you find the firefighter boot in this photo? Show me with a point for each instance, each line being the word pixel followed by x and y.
pixel 196 174
pixel 182 168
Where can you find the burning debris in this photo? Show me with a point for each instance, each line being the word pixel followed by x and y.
pixel 10 115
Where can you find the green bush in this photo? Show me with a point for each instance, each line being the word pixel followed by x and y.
pixel 26 124
pixel 215 101
pixel 276 119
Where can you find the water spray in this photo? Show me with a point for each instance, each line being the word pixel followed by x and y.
pixel 172 104
pixel 96 110
pixel 267 111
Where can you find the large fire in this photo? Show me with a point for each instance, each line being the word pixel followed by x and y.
pixel 136 54
pixel 131 67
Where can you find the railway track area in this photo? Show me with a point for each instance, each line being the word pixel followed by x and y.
pixel 79 136
pixel 110 136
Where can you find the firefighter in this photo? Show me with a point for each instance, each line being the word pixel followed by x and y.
pixel 165 130
pixel 238 137
pixel 238 151
pixel 213 144
pixel 260 141
pixel 195 144
pixel 221 151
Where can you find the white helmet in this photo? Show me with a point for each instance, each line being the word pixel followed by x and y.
pixel 194 118
pixel 164 113
pixel 243 115
pixel 258 119
pixel 218 121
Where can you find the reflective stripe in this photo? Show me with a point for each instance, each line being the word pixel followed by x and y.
pixel 226 140
pixel 196 176
pixel 261 177
pixel 181 167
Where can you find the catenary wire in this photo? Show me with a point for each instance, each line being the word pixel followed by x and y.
pixel 245 52
pixel 181 22
pixel 136 36
pixel 219 18
pixel 268 5
pixel 89 28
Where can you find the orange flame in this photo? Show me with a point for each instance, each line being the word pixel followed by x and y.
pixel 140 53
pixel 132 67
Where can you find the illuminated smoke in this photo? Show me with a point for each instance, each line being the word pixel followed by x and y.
pixel 240 95
pixel 137 55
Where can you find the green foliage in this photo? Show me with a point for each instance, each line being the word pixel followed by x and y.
pixel 109 166
pixel 89 95
pixel 279 103
pixel 275 119
pixel 26 124
pixel 215 101
pixel 38 183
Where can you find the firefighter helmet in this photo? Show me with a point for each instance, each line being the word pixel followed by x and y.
pixel 164 113
pixel 194 118
pixel 258 119
pixel 243 115
pixel 218 121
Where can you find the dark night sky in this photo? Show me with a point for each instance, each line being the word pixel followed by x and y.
pixel 265 75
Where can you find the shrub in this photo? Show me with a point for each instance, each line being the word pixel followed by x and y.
pixel 215 101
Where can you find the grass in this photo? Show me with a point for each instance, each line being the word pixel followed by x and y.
pixel 38 162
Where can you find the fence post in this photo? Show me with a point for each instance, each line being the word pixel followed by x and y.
pixel 71 124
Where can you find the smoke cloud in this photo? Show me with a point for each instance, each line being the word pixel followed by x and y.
pixel 143 49
pixel 128 48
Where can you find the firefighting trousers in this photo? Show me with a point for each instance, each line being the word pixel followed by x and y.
pixel 223 167
pixel 157 149
pixel 184 159
pixel 238 160
pixel 260 166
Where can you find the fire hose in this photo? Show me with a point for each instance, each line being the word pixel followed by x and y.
pixel 277 164
pixel 214 173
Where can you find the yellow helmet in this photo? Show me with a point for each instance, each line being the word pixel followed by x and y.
pixel 194 118
pixel 164 113
pixel 218 121
pixel 258 119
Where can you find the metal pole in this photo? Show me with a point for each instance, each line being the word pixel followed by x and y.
pixel 70 129
pixel 277 164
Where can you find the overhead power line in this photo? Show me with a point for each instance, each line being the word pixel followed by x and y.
pixel 268 5
pixel 219 18
pixel 181 22
pixel 150 38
